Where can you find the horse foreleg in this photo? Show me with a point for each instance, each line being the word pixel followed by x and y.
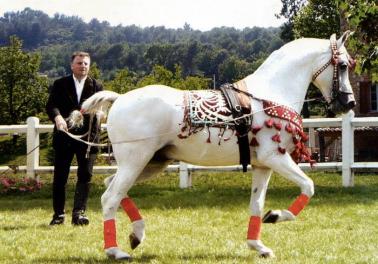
pixel 260 182
pixel 285 166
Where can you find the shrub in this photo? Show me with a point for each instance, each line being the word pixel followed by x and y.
pixel 14 185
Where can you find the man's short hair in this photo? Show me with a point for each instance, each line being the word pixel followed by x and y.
pixel 80 54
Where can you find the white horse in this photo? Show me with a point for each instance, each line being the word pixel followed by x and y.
pixel 146 127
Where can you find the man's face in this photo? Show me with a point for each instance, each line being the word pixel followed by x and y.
pixel 80 66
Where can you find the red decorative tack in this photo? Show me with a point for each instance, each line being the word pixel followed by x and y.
pixel 254 142
pixel 299 145
pixel 281 150
pixel 256 129
pixel 289 128
pixel 269 123
pixel 277 125
pixel 276 138
pixel 304 137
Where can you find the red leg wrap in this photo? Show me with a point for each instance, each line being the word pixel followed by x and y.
pixel 110 236
pixel 299 204
pixel 130 209
pixel 254 228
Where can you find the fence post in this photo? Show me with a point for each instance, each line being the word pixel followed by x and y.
pixel 185 177
pixel 347 145
pixel 32 146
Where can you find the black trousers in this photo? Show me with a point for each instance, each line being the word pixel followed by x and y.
pixel 65 149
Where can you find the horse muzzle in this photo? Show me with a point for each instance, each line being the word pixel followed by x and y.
pixel 342 103
pixel 346 100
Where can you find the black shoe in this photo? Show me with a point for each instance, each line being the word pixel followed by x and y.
pixel 57 220
pixel 79 218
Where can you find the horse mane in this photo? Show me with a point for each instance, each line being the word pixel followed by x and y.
pixel 301 47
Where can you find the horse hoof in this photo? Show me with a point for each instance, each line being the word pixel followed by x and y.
pixel 268 254
pixel 117 254
pixel 270 217
pixel 276 216
pixel 134 241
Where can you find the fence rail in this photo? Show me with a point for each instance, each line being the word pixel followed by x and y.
pixel 348 123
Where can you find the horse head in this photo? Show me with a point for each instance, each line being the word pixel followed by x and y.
pixel 333 77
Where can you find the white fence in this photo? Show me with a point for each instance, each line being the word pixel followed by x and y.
pixel 348 122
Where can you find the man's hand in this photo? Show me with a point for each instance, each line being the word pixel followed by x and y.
pixel 60 123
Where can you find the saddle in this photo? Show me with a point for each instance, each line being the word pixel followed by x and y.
pixel 240 104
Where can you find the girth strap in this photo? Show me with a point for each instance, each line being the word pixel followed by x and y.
pixel 241 126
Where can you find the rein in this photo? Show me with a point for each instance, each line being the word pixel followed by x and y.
pixel 92 144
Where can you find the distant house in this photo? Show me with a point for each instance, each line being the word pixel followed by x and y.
pixel 368 97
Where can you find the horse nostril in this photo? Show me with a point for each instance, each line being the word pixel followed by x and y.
pixel 351 104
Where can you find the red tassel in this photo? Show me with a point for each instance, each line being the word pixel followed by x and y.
pixel 289 128
pixel 269 123
pixel 256 129
pixel 276 138
pixel 281 150
pixel 295 140
pixel 299 146
pixel 304 137
pixel 254 142
pixel 277 125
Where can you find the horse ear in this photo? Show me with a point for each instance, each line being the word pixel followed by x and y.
pixel 333 38
pixel 344 37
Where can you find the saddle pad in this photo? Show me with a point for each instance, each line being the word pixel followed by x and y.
pixel 208 108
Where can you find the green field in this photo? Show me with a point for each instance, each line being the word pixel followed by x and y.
pixel 203 224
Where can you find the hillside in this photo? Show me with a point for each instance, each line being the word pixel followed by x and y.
pixel 227 53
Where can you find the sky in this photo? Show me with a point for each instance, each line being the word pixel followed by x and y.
pixel 199 14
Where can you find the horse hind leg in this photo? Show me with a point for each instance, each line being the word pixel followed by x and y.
pixel 286 167
pixel 129 168
pixel 138 234
pixel 154 167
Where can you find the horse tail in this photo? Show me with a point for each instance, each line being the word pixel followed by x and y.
pixel 99 100
pixel 97 104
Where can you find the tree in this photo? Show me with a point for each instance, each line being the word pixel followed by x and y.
pixel 23 92
pixel 161 75
pixel 289 10
pixel 95 71
pixel 233 69
pixel 123 82
pixel 319 18
pixel 362 17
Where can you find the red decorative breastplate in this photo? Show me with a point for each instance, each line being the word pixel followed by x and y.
pixel 283 112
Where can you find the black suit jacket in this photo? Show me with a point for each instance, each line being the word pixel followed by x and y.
pixel 63 100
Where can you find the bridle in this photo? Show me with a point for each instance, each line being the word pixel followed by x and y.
pixel 335 77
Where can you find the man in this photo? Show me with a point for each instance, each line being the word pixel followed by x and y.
pixel 66 95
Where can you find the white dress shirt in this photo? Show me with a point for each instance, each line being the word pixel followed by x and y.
pixel 79 87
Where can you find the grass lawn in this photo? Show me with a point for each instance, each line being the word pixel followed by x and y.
pixel 204 224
